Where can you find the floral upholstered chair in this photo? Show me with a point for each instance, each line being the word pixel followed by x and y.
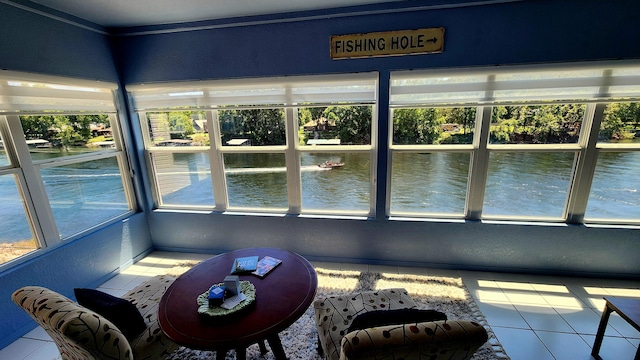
pixel 81 333
pixel 386 324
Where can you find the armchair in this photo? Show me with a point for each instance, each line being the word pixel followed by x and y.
pixel 80 333
pixel 415 334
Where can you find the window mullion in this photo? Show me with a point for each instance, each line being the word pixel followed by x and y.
pixel 292 159
pixel 585 164
pixel 34 190
pixel 479 164
pixel 216 162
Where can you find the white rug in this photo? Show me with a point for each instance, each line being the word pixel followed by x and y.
pixel 445 294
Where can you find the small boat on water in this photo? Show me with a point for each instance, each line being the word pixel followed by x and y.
pixel 331 164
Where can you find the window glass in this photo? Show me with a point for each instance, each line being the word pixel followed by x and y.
pixel 16 237
pixel 252 127
pixel 335 125
pixel 426 126
pixel 4 159
pixel 336 181
pixel 536 124
pixel 178 128
pixel 183 179
pixel 64 135
pixel 621 123
pixel 615 190
pixel 429 182
pixel 528 184
pixel 256 180
pixel 85 194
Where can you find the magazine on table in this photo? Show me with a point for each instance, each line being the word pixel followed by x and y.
pixel 244 264
pixel 265 265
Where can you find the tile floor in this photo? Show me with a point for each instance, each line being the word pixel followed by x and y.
pixel 534 317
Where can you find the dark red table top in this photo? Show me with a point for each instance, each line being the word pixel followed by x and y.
pixel 281 298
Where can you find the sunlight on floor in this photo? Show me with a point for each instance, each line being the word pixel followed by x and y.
pixel 449 287
pixel 529 294
pixel 348 279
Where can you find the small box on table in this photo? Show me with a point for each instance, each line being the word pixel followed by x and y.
pixel 232 285
pixel 216 295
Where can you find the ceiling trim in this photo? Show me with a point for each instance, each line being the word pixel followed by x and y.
pixel 239 21
pixel 56 15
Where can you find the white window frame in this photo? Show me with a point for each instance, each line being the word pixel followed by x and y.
pixel 613 82
pixel 26 94
pixel 160 98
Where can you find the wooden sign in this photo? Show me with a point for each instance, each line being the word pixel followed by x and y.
pixel 388 43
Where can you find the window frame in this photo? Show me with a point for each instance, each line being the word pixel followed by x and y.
pixel 24 93
pixel 292 150
pixel 586 149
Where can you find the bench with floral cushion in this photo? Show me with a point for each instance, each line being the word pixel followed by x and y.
pixel 81 333
pixel 386 324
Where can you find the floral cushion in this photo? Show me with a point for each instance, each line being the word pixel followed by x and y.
pixel 152 343
pixel 78 332
pixel 83 334
pixel 446 339
pixel 334 314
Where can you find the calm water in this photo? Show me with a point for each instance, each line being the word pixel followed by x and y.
pixel 520 184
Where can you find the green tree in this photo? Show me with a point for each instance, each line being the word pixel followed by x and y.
pixel 230 124
pixel 620 121
pixel 465 116
pixel 37 127
pixel 416 126
pixel 353 123
pixel 180 123
pixel 264 126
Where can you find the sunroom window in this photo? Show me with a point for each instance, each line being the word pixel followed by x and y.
pixel 615 189
pixel 61 162
pixel 538 143
pixel 283 145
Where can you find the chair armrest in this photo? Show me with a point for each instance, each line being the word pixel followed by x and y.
pixel 449 339
pixel 96 334
pixel 77 331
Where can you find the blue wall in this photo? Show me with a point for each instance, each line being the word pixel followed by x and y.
pixel 526 32
pixel 513 33
pixel 38 44
pixel 86 262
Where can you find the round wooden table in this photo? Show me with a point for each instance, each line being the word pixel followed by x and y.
pixel 281 298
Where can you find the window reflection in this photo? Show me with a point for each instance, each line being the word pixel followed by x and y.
pixel 16 237
pixel 178 128
pixel 335 125
pixel 83 195
pixel 425 126
pixel 53 136
pixel 256 180
pixel 183 179
pixel 341 188
pixel 429 182
pixel 536 124
pixel 4 159
pixel 252 127
pixel 615 190
pixel 528 184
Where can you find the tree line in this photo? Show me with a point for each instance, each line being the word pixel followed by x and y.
pixel 543 124
pixel 63 130
pixel 558 123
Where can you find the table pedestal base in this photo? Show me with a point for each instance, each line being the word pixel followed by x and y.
pixel 274 343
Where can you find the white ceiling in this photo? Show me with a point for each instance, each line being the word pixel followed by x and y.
pixel 123 13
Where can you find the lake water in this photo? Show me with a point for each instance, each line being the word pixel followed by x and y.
pixel 518 184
